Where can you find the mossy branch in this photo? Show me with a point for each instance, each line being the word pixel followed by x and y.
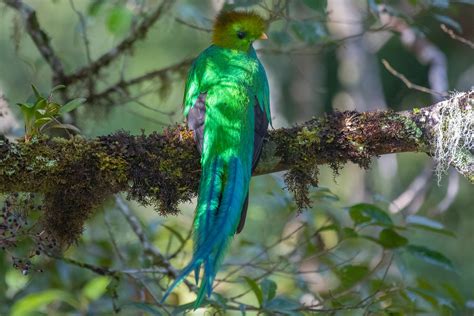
pixel 77 175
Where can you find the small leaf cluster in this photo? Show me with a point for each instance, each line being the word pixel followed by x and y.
pixel 366 215
pixel 92 291
pixel 362 256
pixel 269 302
pixel 43 112
pixel 119 18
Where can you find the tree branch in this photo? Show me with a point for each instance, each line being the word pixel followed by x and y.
pixel 39 37
pixel 42 42
pixel 159 258
pixel 77 175
pixel 125 45
pixel 121 87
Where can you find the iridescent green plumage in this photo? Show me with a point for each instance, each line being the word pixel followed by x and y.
pixel 227 104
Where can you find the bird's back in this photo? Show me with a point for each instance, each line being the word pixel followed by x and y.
pixel 228 79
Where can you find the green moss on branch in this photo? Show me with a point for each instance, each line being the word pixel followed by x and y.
pixel 77 175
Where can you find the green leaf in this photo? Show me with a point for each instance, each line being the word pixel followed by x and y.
pixel 26 105
pixel 454 293
pixel 179 310
pixel 358 217
pixel 328 227
pixel 66 126
pixel 40 104
pixel 268 289
pixel 317 5
pixel 322 193
pixel 421 222
pixel 37 93
pixel 96 287
pixel 42 121
pixel 363 213
pixel 430 256
pixel 52 109
pixel 119 20
pixel 174 232
pixel 390 239
pixel 256 289
pixel 431 297
pixel 348 232
pixel 36 301
pixel 58 87
pixel 351 274
pixel 71 105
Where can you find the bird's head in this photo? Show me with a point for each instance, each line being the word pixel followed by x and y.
pixel 238 29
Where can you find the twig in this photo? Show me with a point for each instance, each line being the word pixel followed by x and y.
pixel 85 39
pixel 146 106
pixel 196 27
pixel 177 251
pixel 93 268
pixel 147 246
pixel 122 85
pixel 39 37
pixel 262 252
pixel 125 45
pixel 112 239
pixel 152 294
pixel 408 83
pixel 413 190
pixel 457 37
pixel 425 51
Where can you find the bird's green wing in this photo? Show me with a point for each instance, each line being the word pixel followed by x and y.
pixel 262 89
pixel 191 90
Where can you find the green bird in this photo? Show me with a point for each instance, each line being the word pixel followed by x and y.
pixel 226 102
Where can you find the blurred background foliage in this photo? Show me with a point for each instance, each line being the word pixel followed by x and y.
pixel 389 240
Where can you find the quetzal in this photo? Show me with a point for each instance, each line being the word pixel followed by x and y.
pixel 226 102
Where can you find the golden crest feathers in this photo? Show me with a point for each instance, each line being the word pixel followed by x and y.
pixel 237 29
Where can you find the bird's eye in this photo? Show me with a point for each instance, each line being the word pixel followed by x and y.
pixel 241 34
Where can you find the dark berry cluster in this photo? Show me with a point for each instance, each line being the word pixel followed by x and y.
pixel 15 232
pixel 46 244
pixel 12 223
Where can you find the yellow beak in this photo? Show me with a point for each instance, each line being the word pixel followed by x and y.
pixel 263 36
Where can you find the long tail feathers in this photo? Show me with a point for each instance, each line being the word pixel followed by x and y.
pixel 221 196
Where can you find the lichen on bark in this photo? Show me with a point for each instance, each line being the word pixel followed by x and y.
pixel 336 139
